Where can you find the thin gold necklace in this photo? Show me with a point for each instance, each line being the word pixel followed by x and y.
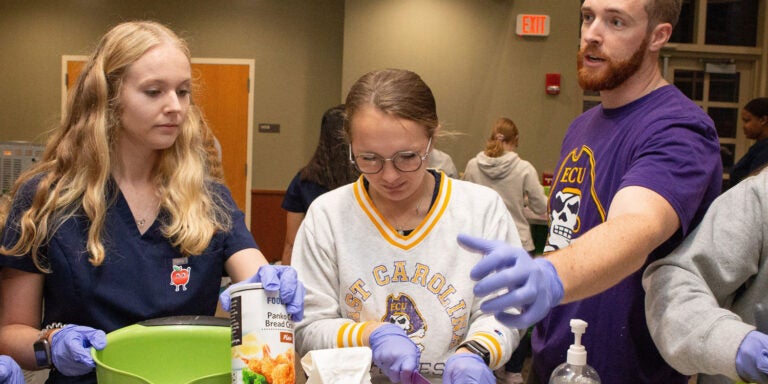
pixel 399 228
pixel 143 221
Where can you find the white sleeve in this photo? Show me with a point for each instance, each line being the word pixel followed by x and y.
pixel 318 270
pixel 499 339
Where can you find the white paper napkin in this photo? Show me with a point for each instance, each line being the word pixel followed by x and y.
pixel 338 366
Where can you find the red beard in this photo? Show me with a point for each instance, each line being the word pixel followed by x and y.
pixel 612 76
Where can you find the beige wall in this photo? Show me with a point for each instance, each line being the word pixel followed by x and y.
pixel 477 67
pixel 307 54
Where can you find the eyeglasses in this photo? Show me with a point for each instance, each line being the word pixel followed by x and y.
pixel 404 161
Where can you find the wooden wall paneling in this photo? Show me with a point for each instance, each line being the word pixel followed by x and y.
pixel 268 222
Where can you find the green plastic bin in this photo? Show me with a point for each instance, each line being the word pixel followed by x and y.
pixel 171 350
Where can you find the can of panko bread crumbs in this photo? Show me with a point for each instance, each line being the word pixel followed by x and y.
pixel 262 337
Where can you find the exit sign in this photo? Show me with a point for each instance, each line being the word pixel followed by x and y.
pixel 532 25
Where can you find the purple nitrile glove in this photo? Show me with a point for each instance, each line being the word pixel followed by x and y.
pixel 71 349
pixel 467 368
pixel 10 372
pixel 752 358
pixel 273 278
pixel 532 285
pixel 394 352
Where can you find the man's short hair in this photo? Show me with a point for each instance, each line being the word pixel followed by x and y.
pixel 663 11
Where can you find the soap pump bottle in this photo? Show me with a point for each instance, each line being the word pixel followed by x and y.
pixel 575 369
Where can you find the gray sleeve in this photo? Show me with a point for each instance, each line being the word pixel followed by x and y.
pixel 537 200
pixel 469 171
pixel 700 298
pixel 450 169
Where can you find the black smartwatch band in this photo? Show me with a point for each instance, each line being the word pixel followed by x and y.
pixel 42 349
pixel 478 349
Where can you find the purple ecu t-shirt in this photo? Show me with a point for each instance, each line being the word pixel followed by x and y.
pixel 662 142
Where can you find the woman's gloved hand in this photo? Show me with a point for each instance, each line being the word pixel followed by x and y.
pixel 394 352
pixel 10 372
pixel 752 358
pixel 273 278
pixel 531 285
pixel 71 349
pixel 467 368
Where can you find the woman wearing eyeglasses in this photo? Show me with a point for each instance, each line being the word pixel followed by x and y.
pixel 379 256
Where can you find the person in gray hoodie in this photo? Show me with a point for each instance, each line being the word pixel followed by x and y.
pixel 516 180
pixel 702 300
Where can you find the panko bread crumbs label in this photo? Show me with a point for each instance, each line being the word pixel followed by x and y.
pixel 262 337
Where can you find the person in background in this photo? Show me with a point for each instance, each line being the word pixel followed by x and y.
pixel 442 161
pixel 328 168
pixel 516 181
pixel 754 115
pixel 121 220
pixel 10 372
pixel 701 299
pixel 636 175
pixel 379 257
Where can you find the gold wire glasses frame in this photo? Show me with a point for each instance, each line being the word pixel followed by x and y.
pixel 404 161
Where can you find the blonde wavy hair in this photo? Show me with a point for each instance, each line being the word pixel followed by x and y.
pixel 74 173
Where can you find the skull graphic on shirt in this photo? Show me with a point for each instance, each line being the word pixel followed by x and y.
pixel 563 218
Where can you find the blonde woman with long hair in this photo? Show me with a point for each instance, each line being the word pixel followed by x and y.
pixel 123 219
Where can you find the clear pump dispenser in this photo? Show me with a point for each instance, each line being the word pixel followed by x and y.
pixel 575 369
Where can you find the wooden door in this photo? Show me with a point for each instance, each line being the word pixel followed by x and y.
pixel 223 94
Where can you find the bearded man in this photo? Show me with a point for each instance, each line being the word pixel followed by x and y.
pixel 644 166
